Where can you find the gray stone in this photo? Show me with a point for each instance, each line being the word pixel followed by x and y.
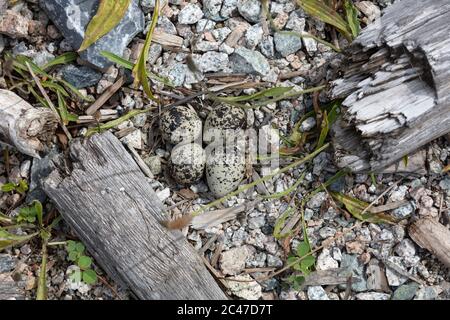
pixel 213 61
pixel 250 9
pixel 327 232
pixel 165 24
pixel 316 201
pixel 427 293
pixel 249 61
pixel 274 261
pixel 308 124
pixel 211 8
pixel 317 293
pixel 253 35
pixel 405 248
pixel 7 263
pixel 267 47
pixel 228 7
pixel 394 278
pixel 190 14
pixel 406 291
pixel 295 23
pixel 256 222
pixel 204 25
pixel 154 164
pixel 287 44
pixel 220 34
pixel 72 16
pixel 42 57
pixel 80 76
pixel 403 211
pixel 373 296
pixel 351 262
pixel 175 72
pixel 445 185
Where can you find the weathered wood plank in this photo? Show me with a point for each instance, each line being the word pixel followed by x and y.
pixel 106 199
pixel 396 86
pixel 24 127
pixel 433 236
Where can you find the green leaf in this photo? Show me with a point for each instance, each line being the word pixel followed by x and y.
pixel 62 59
pixel 117 60
pixel 84 262
pixel 71 245
pixel 8 239
pixel 308 262
pixel 89 276
pixel 115 122
pixel 79 247
pixel 108 16
pixel 140 69
pixel 405 160
pixel 75 276
pixel 279 224
pixel 73 256
pixel 8 187
pixel 321 11
pixel 356 208
pixel 303 249
pixel 352 17
pixel 22 187
pixel 296 281
pixel 39 211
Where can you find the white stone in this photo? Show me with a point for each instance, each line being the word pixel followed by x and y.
pixel 190 14
pixel 245 290
pixel 317 293
pixel 325 261
pixel 233 261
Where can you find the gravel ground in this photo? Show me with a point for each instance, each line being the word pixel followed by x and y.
pixel 224 37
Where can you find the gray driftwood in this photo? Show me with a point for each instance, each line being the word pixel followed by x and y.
pixel 24 127
pixel 396 86
pixel 433 236
pixel 103 195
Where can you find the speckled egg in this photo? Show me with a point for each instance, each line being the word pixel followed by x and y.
pixel 180 124
pixel 225 170
pixel 187 163
pixel 221 118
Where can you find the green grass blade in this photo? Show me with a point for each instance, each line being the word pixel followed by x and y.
pixel 352 17
pixel 321 11
pixel 117 60
pixel 140 69
pixel 62 59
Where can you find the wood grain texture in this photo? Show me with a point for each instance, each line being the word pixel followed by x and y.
pixel 396 86
pixel 24 127
pixel 433 236
pixel 103 195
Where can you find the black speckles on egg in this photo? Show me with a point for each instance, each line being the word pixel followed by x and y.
pixel 221 118
pixel 224 170
pixel 187 163
pixel 180 124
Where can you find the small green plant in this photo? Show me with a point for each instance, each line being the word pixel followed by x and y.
pixel 75 250
pixel 349 26
pixel 30 213
pixel 304 265
pixel 21 187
